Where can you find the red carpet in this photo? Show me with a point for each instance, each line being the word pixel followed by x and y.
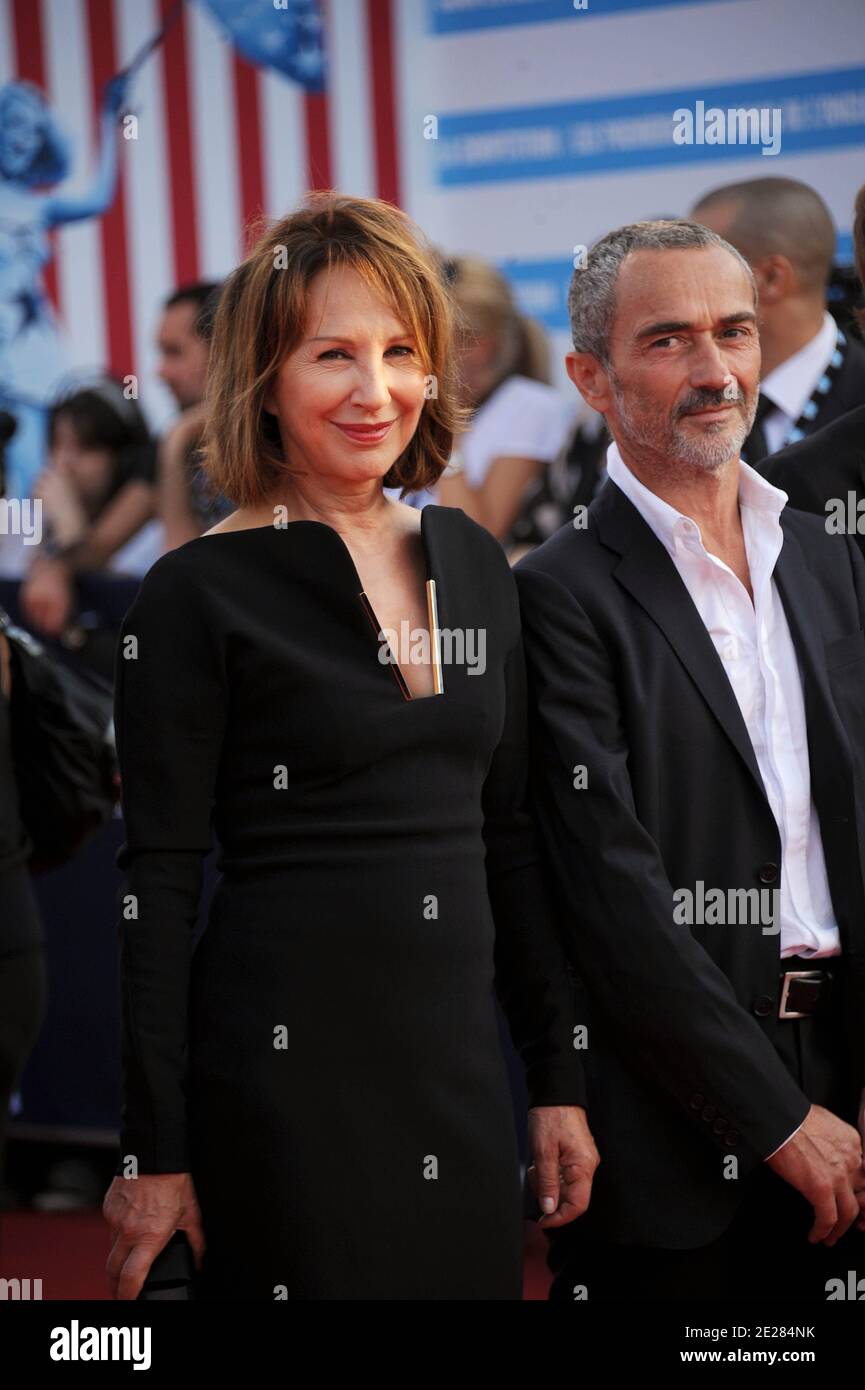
pixel 67 1251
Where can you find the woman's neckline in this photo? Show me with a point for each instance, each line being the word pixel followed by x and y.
pixel 303 521
pixel 430 566
pixel 423 533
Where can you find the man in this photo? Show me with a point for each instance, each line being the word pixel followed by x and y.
pixel 827 469
pixel 679 759
pixel 812 371
pixel 184 351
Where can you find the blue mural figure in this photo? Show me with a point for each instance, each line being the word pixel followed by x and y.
pixel 35 157
pixel 287 35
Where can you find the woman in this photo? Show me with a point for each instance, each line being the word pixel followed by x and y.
pixel 322 1090
pixel 97 498
pixel 518 422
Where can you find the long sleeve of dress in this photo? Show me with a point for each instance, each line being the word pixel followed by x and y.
pixel 170 709
pixel 533 979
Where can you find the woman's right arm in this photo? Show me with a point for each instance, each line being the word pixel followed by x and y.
pixel 170 708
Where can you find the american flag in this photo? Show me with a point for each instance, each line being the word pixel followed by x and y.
pixel 219 141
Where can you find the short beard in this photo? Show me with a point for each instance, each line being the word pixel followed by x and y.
pixel 648 429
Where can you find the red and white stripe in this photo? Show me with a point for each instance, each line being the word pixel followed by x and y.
pixel 219 142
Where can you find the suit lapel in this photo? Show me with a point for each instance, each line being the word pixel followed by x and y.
pixel 647 571
pixel 831 762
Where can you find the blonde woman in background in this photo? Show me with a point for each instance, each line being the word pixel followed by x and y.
pixel 519 421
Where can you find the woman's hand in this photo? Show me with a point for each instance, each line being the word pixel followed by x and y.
pixel 47 596
pixel 564 1162
pixel 61 501
pixel 143 1213
pixel 5 667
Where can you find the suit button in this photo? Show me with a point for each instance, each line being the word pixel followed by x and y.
pixel 720 1125
pixel 709 1112
pixel 732 1137
pixel 763 1005
pixel 697 1101
pixel 767 873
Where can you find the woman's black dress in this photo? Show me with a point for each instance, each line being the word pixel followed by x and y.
pixel 337 1087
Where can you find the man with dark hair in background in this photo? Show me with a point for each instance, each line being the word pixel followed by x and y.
pixel 812 371
pixel 183 352
pixel 830 466
pixel 185 506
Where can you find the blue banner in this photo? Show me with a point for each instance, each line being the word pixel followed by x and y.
pixel 822 110
pixel 460 16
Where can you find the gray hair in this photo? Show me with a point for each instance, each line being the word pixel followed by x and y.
pixel 592 292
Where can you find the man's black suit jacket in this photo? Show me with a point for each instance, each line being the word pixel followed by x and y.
pixel 848 389
pixel 847 392
pixel 827 465
pixel 624 680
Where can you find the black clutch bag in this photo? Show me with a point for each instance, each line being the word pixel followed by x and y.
pixel 172 1272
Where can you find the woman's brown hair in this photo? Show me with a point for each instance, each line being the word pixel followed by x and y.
pixel 261 318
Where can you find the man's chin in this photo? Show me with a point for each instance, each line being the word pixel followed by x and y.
pixel 708 459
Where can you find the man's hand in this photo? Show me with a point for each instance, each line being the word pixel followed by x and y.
pixel 860 1224
pixel 564 1162
pixel 143 1213
pixel 823 1161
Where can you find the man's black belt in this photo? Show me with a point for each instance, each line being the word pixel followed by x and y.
pixel 803 992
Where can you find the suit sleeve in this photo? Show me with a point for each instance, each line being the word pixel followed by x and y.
pixel 169 713
pixel 857 564
pixel 532 974
pixel 672 1012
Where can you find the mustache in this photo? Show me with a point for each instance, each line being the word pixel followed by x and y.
pixel 704 400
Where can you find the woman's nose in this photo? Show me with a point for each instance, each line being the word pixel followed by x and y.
pixel 371 387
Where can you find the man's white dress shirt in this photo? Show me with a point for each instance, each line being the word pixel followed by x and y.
pixel 754 643
pixel 757 652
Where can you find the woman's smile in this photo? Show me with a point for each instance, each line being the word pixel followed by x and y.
pixel 365 434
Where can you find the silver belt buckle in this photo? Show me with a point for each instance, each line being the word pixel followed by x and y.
pixel 783 1011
